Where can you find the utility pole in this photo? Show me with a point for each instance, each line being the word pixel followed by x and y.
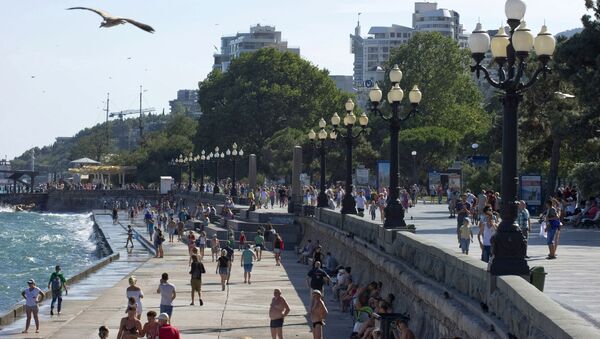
pixel 107 129
pixel 141 116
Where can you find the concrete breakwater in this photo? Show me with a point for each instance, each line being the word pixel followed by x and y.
pixel 105 254
pixel 446 294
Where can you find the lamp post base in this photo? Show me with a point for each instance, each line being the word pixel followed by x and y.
pixel 349 205
pixel 322 200
pixel 508 250
pixel 394 215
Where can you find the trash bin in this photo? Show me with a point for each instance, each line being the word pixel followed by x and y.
pixel 386 322
pixel 537 277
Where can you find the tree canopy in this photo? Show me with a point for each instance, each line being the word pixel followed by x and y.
pixel 266 100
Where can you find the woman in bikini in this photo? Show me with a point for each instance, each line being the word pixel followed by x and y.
pixel 130 326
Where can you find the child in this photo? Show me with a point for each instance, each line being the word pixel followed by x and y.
pixel 466 236
pixel 242 241
pixel 129 236
pixel 373 209
pixel 214 247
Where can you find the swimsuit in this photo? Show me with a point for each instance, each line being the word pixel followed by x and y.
pixel 276 323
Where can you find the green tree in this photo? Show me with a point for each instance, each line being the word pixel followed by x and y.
pixel 261 93
pixel 440 68
pixel 586 175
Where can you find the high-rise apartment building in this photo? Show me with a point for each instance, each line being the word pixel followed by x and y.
pixel 258 37
pixel 371 53
pixel 187 99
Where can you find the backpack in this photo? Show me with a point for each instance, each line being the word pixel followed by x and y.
pixel 56 284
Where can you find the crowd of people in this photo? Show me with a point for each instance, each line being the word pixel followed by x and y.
pixel 364 303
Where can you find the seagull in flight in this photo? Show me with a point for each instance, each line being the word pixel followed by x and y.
pixel 562 95
pixel 110 21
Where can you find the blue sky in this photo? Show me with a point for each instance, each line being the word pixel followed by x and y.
pixel 74 63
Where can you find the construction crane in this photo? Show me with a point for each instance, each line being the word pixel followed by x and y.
pixel 139 111
pixel 121 114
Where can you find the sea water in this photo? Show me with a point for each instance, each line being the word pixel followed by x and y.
pixel 32 244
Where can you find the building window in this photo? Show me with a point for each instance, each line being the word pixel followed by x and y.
pixel 392 35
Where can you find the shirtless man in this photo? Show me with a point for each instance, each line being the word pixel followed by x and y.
pixel 318 313
pixel 279 309
pixel 150 329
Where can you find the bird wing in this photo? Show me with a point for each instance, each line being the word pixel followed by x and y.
pixel 140 25
pixel 103 14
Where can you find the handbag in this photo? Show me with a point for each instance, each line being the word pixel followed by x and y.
pixel 543 232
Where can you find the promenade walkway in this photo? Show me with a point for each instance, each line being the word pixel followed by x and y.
pixel 241 311
pixel 573 279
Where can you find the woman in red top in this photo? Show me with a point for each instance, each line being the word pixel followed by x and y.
pixel 191 242
pixel 242 241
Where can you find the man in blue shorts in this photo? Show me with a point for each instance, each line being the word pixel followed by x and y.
pixel 247 257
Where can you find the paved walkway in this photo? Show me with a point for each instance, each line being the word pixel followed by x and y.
pixel 239 312
pixel 573 279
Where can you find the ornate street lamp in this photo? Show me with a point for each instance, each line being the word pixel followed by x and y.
pixel 322 200
pixel 414 158
pixel 348 203
pixel 394 212
pixel 217 156
pixel 510 53
pixel 203 159
pixel 234 154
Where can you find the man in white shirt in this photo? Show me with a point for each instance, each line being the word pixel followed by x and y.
pixel 167 295
pixel 361 203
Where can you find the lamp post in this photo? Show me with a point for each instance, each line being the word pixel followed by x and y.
pixel 217 156
pixel 234 154
pixel 322 200
pixel 414 158
pixel 348 203
pixel 203 159
pixel 510 53
pixel 394 212
pixel 475 146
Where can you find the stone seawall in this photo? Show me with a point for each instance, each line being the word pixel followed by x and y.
pixel 446 294
pixel 103 247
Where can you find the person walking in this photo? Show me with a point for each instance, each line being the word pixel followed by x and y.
pixel 214 247
pixel 136 293
pixel 230 254
pixel 129 236
pixel 167 295
pixel 278 310
pixel 552 227
pixel 196 272
pixel 524 223
pixel 247 257
pixel 259 243
pixel 56 284
pixel 466 236
pixel 165 330
pixel 318 313
pixel 463 210
pixel 223 268
pixel 33 296
pixel 150 329
pixel 171 226
pixel 277 249
pixel 159 239
pixel 242 242
pixel 487 228
pixel 201 243
pixel 316 279
pixel 131 326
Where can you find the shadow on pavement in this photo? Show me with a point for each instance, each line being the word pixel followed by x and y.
pixel 338 325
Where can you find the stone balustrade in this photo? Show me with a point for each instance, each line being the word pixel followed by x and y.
pixel 447 294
